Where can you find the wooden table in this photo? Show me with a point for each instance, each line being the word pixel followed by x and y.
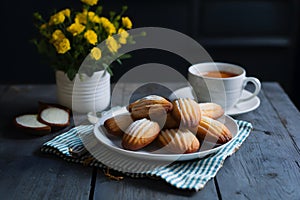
pixel 267 166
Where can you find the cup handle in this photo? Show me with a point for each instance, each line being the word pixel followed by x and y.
pixel 257 85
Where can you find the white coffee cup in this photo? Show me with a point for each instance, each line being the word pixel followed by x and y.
pixel 223 91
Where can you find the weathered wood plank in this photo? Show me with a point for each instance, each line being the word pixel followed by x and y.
pixel 147 188
pixel 25 173
pixel 267 164
pixel 39 177
pixel 286 110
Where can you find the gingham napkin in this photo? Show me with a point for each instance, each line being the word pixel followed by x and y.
pixel 191 175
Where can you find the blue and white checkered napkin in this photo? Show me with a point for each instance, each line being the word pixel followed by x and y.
pixel 191 175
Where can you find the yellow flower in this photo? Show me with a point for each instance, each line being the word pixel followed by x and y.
pixel 112 44
pixel 91 36
pixel 126 22
pixel 60 42
pixel 108 26
pixel 90 2
pixel 123 33
pixel 123 36
pixel 76 28
pixel 43 26
pixel 122 40
pixel 96 19
pixel 62 46
pixel 58 35
pixel 93 17
pixel 81 17
pixel 57 18
pixel 104 20
pixel 66 12
pixel 96 53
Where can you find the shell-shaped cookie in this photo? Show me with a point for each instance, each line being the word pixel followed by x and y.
pixel 187 111
pixel 170 122
pixel 213 131
pixel 178 141
pixel 150 107
pixel 211 110
pixel 118 124
pixel 139 134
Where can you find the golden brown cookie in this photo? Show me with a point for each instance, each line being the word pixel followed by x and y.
pixel 139 134
pixel 211 110
pixel 178 141
pixel 118 124
pixel 150 107
pixel 213 131
pixel 187 112
pixel 170 122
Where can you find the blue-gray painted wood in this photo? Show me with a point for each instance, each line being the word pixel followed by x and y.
pixel 26 173
pixel 286 110
pixel 147 188
pixel 267 164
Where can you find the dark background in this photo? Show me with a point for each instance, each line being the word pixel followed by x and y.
pixel 260 35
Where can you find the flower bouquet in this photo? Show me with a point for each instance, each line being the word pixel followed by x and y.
pixel 68 36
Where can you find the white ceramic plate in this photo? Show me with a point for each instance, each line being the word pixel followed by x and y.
pixel 239 108
pixel 153 153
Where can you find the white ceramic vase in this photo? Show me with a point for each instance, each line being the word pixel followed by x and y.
pixel 84 94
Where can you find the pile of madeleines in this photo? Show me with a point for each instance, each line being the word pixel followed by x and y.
pixel 179 126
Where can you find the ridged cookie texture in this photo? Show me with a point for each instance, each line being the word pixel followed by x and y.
pixel 187 112
pixel 139 134
pixel 150 107
pixel 179 141
pixel 211 110
pixel 118 124
pixel 213 131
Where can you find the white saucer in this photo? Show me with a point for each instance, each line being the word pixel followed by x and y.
pixel 239 108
